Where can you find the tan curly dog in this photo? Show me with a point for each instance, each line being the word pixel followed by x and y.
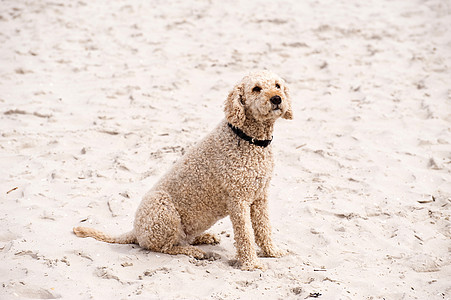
pixel 225 174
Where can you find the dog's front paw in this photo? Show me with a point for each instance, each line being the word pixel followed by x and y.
pixel 252 266
pixel 273 252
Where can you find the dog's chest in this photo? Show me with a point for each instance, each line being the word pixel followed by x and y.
pixel 260 166
pixel 252 173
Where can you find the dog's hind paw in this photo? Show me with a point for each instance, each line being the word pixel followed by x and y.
pixel 206 239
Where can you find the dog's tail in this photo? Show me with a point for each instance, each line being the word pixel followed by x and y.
pixel 126 238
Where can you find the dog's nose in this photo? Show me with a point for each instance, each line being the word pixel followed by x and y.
pixel 276 100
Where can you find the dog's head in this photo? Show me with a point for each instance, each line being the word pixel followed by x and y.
pixel 262 96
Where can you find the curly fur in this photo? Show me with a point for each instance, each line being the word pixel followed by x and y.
pixel 220 176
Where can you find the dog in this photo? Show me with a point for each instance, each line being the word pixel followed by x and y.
pixel 225 174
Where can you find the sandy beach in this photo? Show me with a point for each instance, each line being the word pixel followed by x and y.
pixel 99 98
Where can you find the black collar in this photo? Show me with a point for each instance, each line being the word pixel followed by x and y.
pixel 251 140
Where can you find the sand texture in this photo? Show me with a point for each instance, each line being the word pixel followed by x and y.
pixel 99 98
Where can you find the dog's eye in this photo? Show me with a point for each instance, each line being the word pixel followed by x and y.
pixel 277 86
pixel 256 89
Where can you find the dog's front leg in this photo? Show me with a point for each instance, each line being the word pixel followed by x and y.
pixel 262 228
pixel 241 220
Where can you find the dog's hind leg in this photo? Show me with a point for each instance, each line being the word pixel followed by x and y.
pixel 158 225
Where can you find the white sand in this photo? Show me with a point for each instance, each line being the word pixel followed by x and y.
pixel 99 98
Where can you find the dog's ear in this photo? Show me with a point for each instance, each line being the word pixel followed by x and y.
pixel 234 106
pixel 289 113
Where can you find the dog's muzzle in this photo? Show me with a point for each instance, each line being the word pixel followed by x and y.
pixel 275 101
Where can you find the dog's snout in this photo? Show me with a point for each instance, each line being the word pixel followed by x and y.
pixel 276 100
